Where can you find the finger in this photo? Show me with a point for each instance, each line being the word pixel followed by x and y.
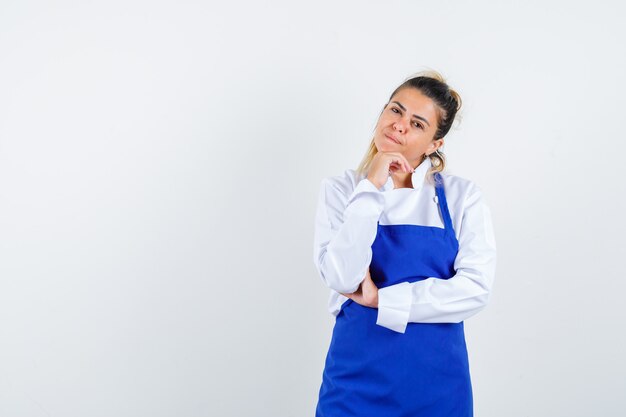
pixel 401 165
pixel 408 166
pixel 397 165
pixel 368 285
pixel 401 161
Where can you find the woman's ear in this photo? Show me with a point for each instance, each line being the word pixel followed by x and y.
pixel 436 144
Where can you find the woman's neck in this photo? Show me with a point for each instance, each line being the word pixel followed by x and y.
pixel 402 180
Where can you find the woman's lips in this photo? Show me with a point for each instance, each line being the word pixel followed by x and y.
pixel 392 139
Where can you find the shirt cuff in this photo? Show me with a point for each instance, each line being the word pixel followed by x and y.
pixel 394 304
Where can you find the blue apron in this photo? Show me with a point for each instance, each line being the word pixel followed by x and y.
pixel 372 371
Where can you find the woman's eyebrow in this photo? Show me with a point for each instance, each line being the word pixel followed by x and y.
pixel 415 115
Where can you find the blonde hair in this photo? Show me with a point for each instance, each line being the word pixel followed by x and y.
pixel 448 102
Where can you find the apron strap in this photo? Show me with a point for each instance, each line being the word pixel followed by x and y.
pixel 443 204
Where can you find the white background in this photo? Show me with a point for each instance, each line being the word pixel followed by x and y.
pixel 159 168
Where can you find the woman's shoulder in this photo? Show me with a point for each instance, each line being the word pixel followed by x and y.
pixel 457 186
pixel 343 183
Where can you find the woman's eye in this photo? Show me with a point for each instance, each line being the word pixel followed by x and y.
pixel 395 110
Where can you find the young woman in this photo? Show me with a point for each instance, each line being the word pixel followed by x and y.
pixel 408 252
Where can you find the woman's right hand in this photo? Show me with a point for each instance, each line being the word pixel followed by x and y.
pixel 383 163
pixel 366 294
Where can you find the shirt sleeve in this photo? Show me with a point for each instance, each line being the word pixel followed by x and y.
pixel 345 229
pixel 436 300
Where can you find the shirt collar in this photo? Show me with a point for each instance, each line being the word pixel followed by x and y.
pixel 417 177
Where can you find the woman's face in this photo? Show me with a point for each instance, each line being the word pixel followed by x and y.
pixel 407 125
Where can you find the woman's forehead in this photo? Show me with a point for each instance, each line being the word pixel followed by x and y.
pixel 416 103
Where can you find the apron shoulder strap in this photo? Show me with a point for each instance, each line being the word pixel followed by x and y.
pixel 443 204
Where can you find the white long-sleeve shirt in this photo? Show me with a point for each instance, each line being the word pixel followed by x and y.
pixel 349 208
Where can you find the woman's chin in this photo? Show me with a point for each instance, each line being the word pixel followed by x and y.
pixel 387 146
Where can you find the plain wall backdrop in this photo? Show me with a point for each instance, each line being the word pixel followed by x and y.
pixel 159 169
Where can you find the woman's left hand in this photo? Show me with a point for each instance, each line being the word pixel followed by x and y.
pixel 366 294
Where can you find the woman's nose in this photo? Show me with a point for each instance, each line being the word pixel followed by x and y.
pixel 399 126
